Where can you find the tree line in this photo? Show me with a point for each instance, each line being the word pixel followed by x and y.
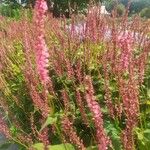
pixel 67 7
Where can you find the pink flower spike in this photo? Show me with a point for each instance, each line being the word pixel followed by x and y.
pixel 41 50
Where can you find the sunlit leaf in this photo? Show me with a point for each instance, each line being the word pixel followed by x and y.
pixel 49 121
pixel 38 146
pixel 66 146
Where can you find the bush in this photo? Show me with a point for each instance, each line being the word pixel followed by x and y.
pixel 10 11
pixel 120 9
pixel 145 13
pixel 110 5
pixel 138 5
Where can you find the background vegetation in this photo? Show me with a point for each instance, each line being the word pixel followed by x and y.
pixel 67 7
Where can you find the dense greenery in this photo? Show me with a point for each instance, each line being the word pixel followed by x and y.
pixel 97 68
pixel 67 7
pixel 145 12
pixel 135 6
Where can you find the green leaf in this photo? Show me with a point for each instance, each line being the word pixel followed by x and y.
pixel 140 136
pixel 148 92
pixel 13 130
pixel 147 131
pixel 147 134
pixel 38 146
pixel 92 148
pixel 66 146
pixel 49 121
pixel 4 146
pixel 148 102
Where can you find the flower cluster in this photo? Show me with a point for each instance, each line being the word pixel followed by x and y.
pixel 69 131
pixel 125 42
pixel 41 50
pixel 80 104
pixel 95 109
pixel 39 102
pixel 130 98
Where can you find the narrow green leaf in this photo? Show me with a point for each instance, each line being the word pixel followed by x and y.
pixel 66 146
pixel 38 146
pixel 49 121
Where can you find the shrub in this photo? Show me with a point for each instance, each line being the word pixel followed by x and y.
pixel 10 11
pixel 120 9
pixel 145 13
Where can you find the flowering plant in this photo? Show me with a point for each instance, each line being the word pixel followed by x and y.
pixel 63 91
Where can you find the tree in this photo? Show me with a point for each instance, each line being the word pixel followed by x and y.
pixel 125 2
pixel 138 5
pixel 64 7
pixel 110 5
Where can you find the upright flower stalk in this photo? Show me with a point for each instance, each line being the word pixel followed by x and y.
pixel 95 109
pixel 69 131
pixel 4 128
pixel 41 50
pixel 129 92
pixel 131 107
pixel 125 42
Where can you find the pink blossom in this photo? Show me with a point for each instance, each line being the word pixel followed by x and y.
pixel 69 131
pixel 125 42
pixel 41 50
pixel 102 139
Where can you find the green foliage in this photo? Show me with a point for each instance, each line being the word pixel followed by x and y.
pixel 66 146
pixel 114 132
pixel 138 5
pixel 10 11
pixel 62 147
pixel 110 5
pixel 145 13
pixel 68 6
pixel 5 145
pixel 120 9
pixel 16 88
pixel 143 138
pixel 49 121
pixel 38 146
